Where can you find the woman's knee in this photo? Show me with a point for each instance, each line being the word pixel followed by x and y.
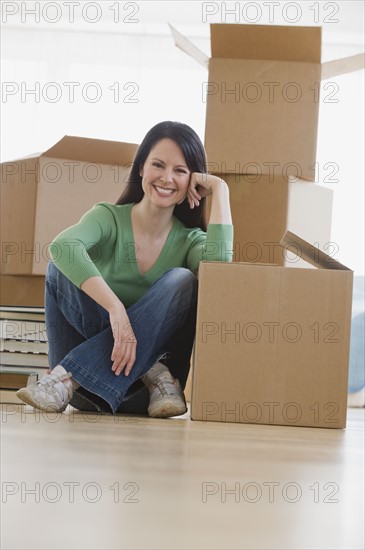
pixel 53 275
pixel 180 277
pixel 179 281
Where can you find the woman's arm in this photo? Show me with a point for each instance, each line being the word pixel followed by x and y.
pixel 69 251
pixel 202 185
pixel 217 246
pixel 125 343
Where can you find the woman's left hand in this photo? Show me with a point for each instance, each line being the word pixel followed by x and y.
pixel 201 185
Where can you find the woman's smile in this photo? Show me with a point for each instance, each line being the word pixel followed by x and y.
pixel 164 191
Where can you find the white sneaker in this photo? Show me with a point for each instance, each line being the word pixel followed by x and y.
pixel 52 393
pixel 166 397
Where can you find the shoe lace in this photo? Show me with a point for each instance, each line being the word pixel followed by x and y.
pixel 161 385
pixel 51 380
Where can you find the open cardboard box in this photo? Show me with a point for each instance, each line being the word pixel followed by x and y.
pixel 43 194
pixel 272 342
pixel 263 94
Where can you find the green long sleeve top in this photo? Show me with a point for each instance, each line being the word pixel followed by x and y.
pixel 102 243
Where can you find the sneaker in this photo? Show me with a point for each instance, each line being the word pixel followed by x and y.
pixel 50 393
pixel 166 397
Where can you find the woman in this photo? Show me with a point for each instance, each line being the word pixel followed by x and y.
pixel 121 289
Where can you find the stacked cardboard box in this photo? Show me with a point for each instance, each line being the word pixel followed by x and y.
pixel 272 343
pixel 43 194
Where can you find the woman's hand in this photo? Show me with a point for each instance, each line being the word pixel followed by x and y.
pixel 125 343
pixel 201 185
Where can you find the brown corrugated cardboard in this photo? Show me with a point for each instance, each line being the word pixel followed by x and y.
pixel 44 194
pixel 187 390
pixel 264 207
pixel 272 343
pixel 263 97
pixel 22 290
pixel 259 211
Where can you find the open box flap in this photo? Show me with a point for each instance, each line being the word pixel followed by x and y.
pixel 310 253
pixel 343 66
pixel 93 150
pixel 188 47
pixel 266 42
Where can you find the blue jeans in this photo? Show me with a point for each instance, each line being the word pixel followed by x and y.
pixel 80 339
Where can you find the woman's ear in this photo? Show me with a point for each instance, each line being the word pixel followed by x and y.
pixel 141 171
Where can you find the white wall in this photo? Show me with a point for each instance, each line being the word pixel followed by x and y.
pixel 166 84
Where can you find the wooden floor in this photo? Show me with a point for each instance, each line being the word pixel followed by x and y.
pixel 73 481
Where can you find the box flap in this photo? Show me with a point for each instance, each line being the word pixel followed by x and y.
pixel 343 66
pixel 93 150
pixel 25 157
pixel 310 253
pixel 266 42
pixel 188 47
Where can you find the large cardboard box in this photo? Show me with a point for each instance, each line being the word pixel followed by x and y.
pixel 43 194
pixel 272 342
pixel 263 95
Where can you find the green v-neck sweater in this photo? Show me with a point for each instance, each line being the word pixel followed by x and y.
pixel 102 243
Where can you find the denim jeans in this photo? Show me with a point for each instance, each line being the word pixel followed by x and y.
pixel 80 339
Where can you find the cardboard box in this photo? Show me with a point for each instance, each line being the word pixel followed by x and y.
pixel 272 342
pixel 261 146
pixel 263 93
pixel 43 194
pixel 187 390
pixel 264 207
pixel 22 290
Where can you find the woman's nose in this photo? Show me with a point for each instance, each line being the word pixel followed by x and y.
pixel 167 176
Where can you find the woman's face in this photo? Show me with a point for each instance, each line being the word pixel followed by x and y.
pixel 165 174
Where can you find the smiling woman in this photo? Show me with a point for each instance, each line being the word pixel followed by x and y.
pixel 121 311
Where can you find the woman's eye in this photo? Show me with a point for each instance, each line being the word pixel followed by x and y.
pixel 159 165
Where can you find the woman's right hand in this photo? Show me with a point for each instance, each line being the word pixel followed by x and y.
pixel 125 343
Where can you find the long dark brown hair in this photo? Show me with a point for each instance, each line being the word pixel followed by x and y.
pixel 194 153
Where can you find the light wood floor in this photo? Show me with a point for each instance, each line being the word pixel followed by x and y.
pixel 74 481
